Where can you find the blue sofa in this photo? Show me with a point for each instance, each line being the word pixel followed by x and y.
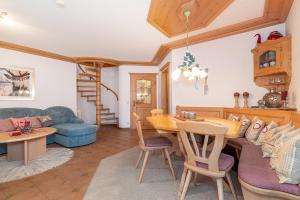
pixel 71 131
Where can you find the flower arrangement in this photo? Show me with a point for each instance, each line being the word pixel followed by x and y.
pixel 236 99
pixel 25 127
pixel 246 96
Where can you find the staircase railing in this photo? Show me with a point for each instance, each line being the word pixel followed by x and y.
pixel 103 85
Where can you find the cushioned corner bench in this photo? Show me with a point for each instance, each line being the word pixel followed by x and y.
pixel 258 180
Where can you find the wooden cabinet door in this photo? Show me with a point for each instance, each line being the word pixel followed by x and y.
pixel 143 97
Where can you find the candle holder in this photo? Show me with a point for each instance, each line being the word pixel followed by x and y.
pixel 246 97
pixel 236 99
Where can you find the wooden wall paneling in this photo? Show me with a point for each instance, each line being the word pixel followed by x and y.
pixel 296 119
pixel 202 111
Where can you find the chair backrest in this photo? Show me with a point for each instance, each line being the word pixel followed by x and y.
pixel 157 112
pixel 137 121
pixel 196 152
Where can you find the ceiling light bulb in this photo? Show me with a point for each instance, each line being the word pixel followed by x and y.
pixel 60 3
pixel 3 15
pixel 187 73
pixel 175 74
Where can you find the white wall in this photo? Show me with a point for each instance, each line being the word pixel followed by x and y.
pixel 55 81
pixel 110 78
pixel 293 29
pixel 124 90
pixel 230 64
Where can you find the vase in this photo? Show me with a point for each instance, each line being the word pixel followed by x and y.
pixel 273 99
pixel 236 102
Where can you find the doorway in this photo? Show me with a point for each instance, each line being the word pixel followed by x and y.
pixel 165 88
pixel 142 97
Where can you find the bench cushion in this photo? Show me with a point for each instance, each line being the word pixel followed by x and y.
pixel 74 129
pixel 256 171
pixel 238 142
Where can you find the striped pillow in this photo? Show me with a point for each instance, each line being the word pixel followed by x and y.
pixel 255 129
pixel 280 142
pixel 269 141
pixel 288 161
pixel 262 134
pixel 245 123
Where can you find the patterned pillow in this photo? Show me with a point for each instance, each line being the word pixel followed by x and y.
pixel 245 123
pixel 288 161
pixel 281 140
pixel 255 129
pixel 46 120
pixel 18 121
pixel 6 125
pixel 269 143
pixel 262 134
pixel 34 121
pixel 233 117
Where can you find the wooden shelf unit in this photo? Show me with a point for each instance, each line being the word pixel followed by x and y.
pixel 272 64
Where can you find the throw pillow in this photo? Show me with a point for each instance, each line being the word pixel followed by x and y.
pixel 255 129
pixel 269 143
pixel 18 121
pixel 288 165
pixel 262 134
pixel 233 117
pixel 6 125
pixel 245 123
pixel 34 121
pixel 279 142
pixel 46 120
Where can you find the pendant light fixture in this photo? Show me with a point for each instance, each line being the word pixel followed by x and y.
pixel 189 69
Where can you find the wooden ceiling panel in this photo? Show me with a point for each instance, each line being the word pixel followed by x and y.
pixel 167 15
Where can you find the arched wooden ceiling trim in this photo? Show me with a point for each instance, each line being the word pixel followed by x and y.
pixel 275 12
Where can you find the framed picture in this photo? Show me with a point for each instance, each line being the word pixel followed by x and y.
pixel 16 83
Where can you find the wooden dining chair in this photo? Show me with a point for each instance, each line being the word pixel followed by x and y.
pixel 150 144
pixel 202 160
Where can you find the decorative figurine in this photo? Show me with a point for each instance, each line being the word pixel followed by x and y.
pixel 236 99
pixel 246 96
pixel 284 98
pixel 275 35
pixel 25 127
pixel 258 39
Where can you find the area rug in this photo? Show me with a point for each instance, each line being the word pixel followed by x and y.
pixel 117 178
pixel 14 170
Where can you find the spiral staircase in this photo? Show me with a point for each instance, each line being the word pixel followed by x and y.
pixel 89 86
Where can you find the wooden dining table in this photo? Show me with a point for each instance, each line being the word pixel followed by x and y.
pixel 166 124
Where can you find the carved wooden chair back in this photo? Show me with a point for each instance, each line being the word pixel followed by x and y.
pixel 200 153
pixel 137 121
pixel 156 112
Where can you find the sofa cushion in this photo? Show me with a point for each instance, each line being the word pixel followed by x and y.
pixel 6 125
pixel 238 142
pixel 245 123
pixel 74 129
pixel 256 171
pixel 20 112
pixel 46 120
pixel 34 121
pixel 61 115
pixel 262 134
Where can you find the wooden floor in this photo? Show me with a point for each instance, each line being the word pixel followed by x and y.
pixel 71 180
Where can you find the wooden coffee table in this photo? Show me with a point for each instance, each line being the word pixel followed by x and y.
pixel 26 147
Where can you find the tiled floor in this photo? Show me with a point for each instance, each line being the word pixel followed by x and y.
pixel 71 180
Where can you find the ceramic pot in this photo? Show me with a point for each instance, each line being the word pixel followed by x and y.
pixel 272 99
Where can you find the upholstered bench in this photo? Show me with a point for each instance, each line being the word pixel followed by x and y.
pixel 259 180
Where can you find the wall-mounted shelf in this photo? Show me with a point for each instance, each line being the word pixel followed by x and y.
pixel 272 63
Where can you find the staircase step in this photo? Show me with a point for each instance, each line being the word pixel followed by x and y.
pixel 107 114
pixel 86 90
pixel 109 123
pixel 108 118
pixel 87 86
pixel 85 80
pixel 88 75
pixel 104 109
pixel 90 95
pixel 91 69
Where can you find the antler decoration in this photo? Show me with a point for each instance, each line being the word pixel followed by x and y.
pixel 20 77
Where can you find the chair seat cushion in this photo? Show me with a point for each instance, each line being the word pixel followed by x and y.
pixel 238 142
pixel 256 171
pixel 225 163
pixel 157 142
pixel 74 129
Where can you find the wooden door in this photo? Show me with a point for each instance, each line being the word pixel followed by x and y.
pixel 143 97
pixel 165 89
